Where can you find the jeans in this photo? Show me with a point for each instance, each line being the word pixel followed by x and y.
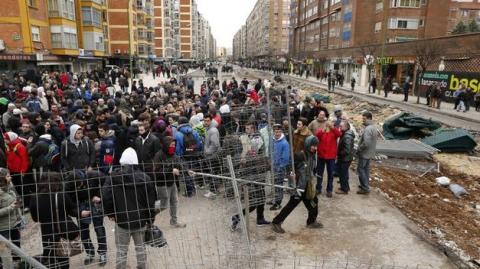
pixel 279 176
pixel 363 170
pixel 13 235
pixel 320 169
pixel 97 219
pixel 343 175
pixel 311 205
pixel 168 197
pixel 122 240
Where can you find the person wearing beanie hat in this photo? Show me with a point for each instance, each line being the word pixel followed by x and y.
pixel 129 200
pixel 305 168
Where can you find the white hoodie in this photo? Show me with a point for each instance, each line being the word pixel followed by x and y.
pixel 129 157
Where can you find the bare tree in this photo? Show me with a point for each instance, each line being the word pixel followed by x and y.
pixel 366 51
pixel 426 52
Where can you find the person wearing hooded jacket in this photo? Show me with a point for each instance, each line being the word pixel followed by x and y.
pixel 281 160
pixel 18 163
pixel 106 153
pixel 212 148
pixel 129 200
pixel 45 155
pixel 305 167
pixel 77 151
pixel 183 129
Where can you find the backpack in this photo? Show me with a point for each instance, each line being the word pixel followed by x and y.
pixel 53 155
pixel 190 145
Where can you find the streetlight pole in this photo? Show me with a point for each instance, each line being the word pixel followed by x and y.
pixel 130 50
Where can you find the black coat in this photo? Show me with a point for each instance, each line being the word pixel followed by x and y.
pixel 345 147
pixel 147 149
pixel 43 210
pixel 79 157
pixel 129 197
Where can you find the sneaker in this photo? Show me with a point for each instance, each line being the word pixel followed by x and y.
pixel 278 228
pixel 178 224
pixel 234 224
pixel 103 260
pixel 263 222
pixel 89 259
pixel 210 195
pixel 363 192
pixel 329 195
pixel 315 225
pixel 275 207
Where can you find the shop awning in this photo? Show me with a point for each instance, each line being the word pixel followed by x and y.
pixel 53 63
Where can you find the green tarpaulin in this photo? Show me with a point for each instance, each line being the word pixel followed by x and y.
pixel 319 97
pixel 406 125
pixel 451 140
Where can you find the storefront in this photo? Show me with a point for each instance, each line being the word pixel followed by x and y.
pixel 10 63
pixel 397 68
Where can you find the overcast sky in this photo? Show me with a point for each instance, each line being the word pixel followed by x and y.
pixel 225 17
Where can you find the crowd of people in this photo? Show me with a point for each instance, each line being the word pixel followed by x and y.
pixel 88 146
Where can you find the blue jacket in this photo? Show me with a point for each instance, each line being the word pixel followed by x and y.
pixel 185 129
pixel 33 104
pixel 281 152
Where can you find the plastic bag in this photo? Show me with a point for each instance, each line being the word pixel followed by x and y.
pixel 457 190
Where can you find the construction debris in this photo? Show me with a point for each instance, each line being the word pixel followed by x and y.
pixel 451 140
pixel 407 125
pixel 457 190
pixel 443 181
pixel 411 148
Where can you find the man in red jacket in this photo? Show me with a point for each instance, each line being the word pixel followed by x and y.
pixel 327 153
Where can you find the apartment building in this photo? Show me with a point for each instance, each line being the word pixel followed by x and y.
pixel 266 30
pixel 331 25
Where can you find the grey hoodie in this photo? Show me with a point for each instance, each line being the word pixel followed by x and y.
pixel 212 140
pixel 368 141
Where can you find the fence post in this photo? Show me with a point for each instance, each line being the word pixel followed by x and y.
pixel 239 204
pixel 21 254
pixel 247 209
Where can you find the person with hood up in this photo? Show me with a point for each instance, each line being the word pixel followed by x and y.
pixel 189 146
pixel 77 151
pixel 281 160
pixel 18 163
pixel 129 200
pixel 345 154
pixel 305 167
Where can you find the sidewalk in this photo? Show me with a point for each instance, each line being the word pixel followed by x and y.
pixel 445 108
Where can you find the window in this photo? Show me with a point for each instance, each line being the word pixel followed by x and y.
pixel 32 3
pixel 397 23
pixel 379 7
pixel 406 3
pixel 465 13
pixel 378 27
pixel 91 16
pixel 61 8
pixel 64 37
pixel 421 23
pixel 36 33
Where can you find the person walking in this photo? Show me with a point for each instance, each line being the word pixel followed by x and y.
pixel 327 153
pixel 406 91
pixel 305 167
pixel 366 151
pixel 129 200
pixel 373 85
pixel 352 83
pixel 345 154
pixel 281 159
